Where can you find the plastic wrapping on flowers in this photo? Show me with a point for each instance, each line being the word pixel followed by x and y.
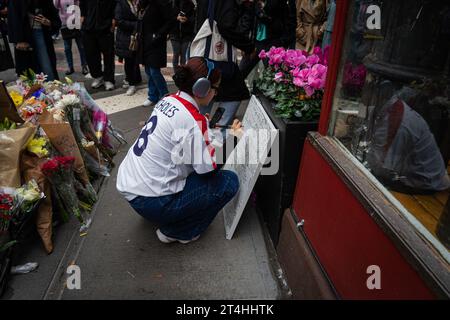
pixel 295 79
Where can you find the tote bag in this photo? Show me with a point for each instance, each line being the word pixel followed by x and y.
pixel 209 43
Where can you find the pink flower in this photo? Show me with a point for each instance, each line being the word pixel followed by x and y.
pixel 301 73
pixel 312 60
pixel 300 77
pixel 317 51
pixel 294 58
pixel 309 91
pixel 278 77
pixel 276 56
pixel 319 70
pixel 298 82
pixel 315 83
pixel 262 54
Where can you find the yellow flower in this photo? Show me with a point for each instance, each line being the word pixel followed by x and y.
pixel 16 98
pixel 37 146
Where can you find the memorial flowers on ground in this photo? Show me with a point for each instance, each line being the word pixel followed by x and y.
pixel 59 139
pixel 295 80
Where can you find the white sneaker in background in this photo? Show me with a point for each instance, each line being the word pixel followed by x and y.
pixel 126 84
pixel 131 91
pixel 109 86
pixel 148 103
pixel 97 83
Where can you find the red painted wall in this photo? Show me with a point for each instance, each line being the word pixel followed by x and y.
pixel 346 239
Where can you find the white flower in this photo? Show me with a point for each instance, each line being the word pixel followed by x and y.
pixel 56 95
pixel 67 100
pixel 41 78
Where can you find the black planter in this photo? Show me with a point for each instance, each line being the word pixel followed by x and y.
pixel 275 193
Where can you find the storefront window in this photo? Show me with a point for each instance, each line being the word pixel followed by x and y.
pixel 391 108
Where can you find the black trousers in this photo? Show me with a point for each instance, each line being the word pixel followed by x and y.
pixel 97 45
pixel 132 71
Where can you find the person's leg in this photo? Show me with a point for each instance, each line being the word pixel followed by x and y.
pixel 130 70
pixel 153 95
pixel 184 48
pixel 81 50
pixel 68 52
pixel 191 211
pixel 42 56
pixel 247 64
pixel 176 48
pixel 107 49
pixel 159 83
pixel 137 72
pixel 93 55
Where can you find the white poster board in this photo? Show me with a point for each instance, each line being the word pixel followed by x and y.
pixel 247 160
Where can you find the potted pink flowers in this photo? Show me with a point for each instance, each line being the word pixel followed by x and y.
pixel 295 80
pixel 290 90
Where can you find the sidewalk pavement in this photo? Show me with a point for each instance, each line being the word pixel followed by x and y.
pixel 121 257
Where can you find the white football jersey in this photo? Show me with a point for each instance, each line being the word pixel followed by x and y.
pixel 174 142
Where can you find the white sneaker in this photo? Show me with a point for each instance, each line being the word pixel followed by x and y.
pixel 126 84
pixel 165 239
pixel 109 86
pixel 148 103
pixel 131 90
pixel 97 83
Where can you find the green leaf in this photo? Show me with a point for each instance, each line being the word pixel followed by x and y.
pixel 7 245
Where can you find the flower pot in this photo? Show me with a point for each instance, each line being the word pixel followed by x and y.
pixel 275 193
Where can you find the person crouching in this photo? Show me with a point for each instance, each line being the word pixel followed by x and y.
pixel 169 175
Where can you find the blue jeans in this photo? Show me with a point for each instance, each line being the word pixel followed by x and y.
pixel 179 48
pixel 157 87
pixel 68 51
pixel 42 55
pixel 187 214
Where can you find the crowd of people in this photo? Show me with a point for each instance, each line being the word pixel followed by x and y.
pixel 136 31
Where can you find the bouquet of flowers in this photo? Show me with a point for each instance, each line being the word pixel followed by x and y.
pixel 59 171
pixel 28 196
pixel 27 199
pixel 31 108
pixel 88 148
pixel 37 146
pixel 7 209
pixel 295 79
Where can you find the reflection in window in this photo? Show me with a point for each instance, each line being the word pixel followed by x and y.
pixel 392 103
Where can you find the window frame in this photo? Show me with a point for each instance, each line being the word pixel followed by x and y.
pixel 430 258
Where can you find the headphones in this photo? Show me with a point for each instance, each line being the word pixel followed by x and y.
pixel 202 86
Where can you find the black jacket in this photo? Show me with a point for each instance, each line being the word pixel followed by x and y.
pixel 98 15
pixel 275 15
pixel 18 20
pixel 154 28
pixel 20 30
pixel 236 24
pixel 127 24
pixel 184 31
pixel 3 19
